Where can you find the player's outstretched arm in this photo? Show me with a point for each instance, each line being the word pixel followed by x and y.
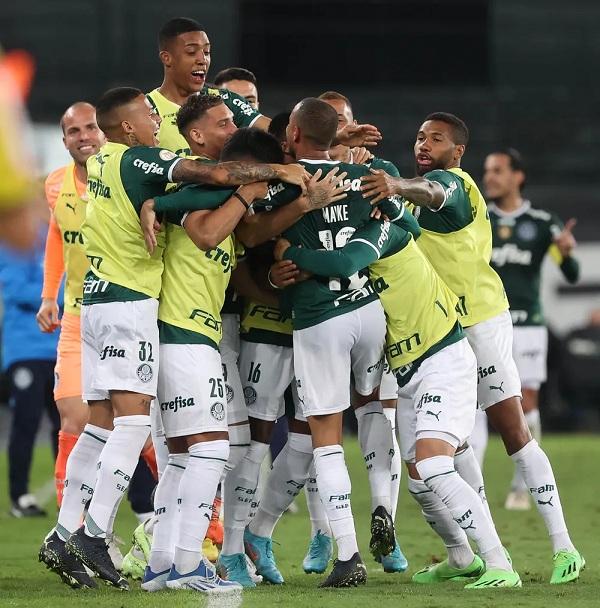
pixel 235 173
pixel 418 190
pixel 561 251
pixel 358 135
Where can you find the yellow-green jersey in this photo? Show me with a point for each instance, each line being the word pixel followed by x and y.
pixel 120 179
pixel 419 307
pixel 244 115
pixel 194 281
pixel 457 240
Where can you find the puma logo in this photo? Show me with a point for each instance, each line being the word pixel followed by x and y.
pixel 70 207
pixel 469 527
pixel 497 388
pixel 546 502
pixel 437 416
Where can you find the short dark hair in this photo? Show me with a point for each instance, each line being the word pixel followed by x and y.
pixel 515 159
pixel 194 108
pixel 278 126
pixel 112 100
pixel 460 132
pixel 255 143
pixel 230 74
pixel 174 27
pixel 318 121
pixel 335 95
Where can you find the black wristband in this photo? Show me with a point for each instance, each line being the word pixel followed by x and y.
pixel 241 199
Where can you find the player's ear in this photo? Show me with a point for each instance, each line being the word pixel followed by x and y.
pixel 197 136
pixel 165 58
pixel 295 134
pixel 127 127
pixel 459 150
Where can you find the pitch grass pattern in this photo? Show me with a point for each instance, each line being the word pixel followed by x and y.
pixel 24 582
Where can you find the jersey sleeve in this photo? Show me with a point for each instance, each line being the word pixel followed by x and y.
pixel 192 198
pixel 278 195
pixel 455 195
pixel 407 221
pixel 385 165
pixel 54 266
pixel 148 165
pixel 244 115
pixel 52 186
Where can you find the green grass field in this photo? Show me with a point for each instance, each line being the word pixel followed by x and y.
pixel 25 582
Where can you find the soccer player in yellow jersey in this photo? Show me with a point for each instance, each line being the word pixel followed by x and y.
pixel 456 237
pixel 119 331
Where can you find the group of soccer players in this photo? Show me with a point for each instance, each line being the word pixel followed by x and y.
pixel 211 266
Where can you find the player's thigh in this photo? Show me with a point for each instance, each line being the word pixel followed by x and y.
pixel 322 364
pixel 530 352
pixel 67 371
pixel 388 389
pixel 266 370
pixel 367 354
pixel 91 350
pixel 406 426
pixel 191 403
pixel 497 375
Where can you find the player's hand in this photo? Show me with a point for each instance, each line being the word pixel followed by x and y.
pixel 293 174
pixel 378 185
pixel 281 246
pixel 361 156
pixel 47 316
pixel 283 273
pixel 358 135
pixel 329 189
pixel 150 225
pixel 565 241
pixel 376 213
pixel 253 192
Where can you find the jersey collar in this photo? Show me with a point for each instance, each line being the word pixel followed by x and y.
pixel 524 208
pixel 314 161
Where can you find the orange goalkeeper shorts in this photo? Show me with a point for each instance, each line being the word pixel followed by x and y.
pixel 67 373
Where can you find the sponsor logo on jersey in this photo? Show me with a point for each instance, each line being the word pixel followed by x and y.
pixel 111 351
pixel 510 254
pixel 217 411
pixel 229 393
pixel 167 155
pixel 504 232
pixel 498 388
pixel 483 372
pixel 221 256
pixel 177 403
pixel 268 313
pixel 384 235
pixel 93 285
pixel 249 395
pixel 427 398
pixel 98 188
pixel 244 106
pixel 376 366
pixel 404 346
pixel 144 372
pixel 148 167
pixel 72 237
pixel 209 320
pixel 274 189
pixel 379 284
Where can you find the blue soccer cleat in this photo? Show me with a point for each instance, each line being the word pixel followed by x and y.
pixel 260 551
pixel 319 554
pixel 395 561
pixel 235 568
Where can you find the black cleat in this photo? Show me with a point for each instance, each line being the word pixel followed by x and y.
pixel 93 552
pixel 72 572
pixel 26 506
pixel 350 573
pixel 383 539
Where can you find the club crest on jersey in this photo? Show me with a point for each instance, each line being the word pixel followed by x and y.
pixel 504 232
pixel 217 411
pixel 526 231
pixel 229 393
pixel 144 372
pixel 249 395
pixel 167 155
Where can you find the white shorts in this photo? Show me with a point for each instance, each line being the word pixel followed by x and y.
pixel 497 375
pixel 389 385
pixel 439 401
pixel 119 348
pixel 229 348
pixel 266 371
pixel 530 352
pixel 324 355
pixel 191 390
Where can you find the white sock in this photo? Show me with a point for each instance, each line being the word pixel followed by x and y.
pixel 464 504
pixel 197 490
pixel 375 438
pixel 288 476
pixel 239 442
pixel 166 511
pixel 479 436
pixel 335 488
pixel 437 515
pixel 316 510
pixel 396 461
pixel 468 468
pixel 244 481
pixel 535 428
pixel 116 466
pixel 159 441
pixel 80 478
pixel 535 467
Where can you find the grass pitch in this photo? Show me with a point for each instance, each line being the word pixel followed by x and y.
pixel 24 582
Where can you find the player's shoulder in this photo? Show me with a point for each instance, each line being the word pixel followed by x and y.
pixel 53 184
pixel 385 165
pixel 535 213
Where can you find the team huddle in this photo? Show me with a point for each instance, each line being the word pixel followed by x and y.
pixel 216 259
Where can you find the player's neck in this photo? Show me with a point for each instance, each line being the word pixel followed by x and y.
pixel 172 92
pixel 510 202
pixel 80 173
pixel 310 153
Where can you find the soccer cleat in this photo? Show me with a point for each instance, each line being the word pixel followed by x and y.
pixel 142 539
pixel 154 581
pixel 234 568
pixel 134 564
pixel 318 556
pixel 495 578
pixel 382 533
pixel 93 552
pixel 26 506
pixel 210 550
pixel 55 557
pixel 518 500
pixel 260 551
pixel 567 566
pixel 350 573
pixel 442 572
pixel 256 578
pixel 204 578
pixel 113 542
pixel 395 561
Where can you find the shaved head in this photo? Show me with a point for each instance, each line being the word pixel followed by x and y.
pixel 316 121
pixel 74 109
pixel 81 135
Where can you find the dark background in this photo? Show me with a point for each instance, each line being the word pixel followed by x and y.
pixel 519 73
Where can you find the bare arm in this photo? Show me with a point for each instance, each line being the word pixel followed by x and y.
pixel 246 286
pixel 262 122
pixel 417 190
